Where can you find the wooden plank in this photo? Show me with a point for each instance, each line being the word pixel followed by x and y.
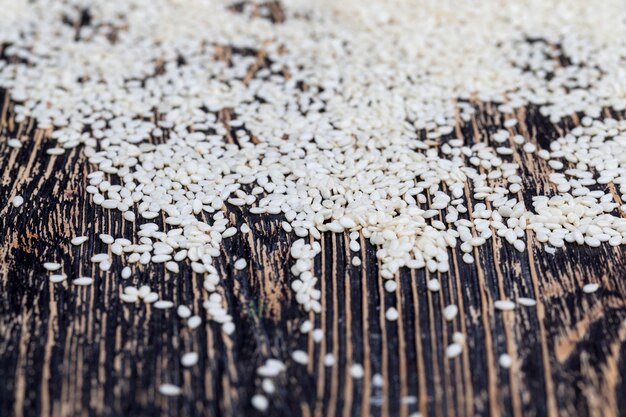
pixel 78 351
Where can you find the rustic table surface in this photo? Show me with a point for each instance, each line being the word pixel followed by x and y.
pixel 74 351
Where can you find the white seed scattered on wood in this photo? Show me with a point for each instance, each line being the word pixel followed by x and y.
pixel 163 304
pixel 170 390
pixel 357 371
pixel 453 350
pixel 83 281
pixel 318 335
pixel 240 264
pixel 300 356
pixel 433 285
pixel 183 312
pixel 79 240
pixel 504 305
pixel 126 272
pixel 189 359
pixel 526 302
pixel 268 386
pixel 391 314
pixel 505 361
pixel 56 278
pixel 591 288
pixel 329 360
pixel 450 312
pixel 228 327
pixel 193 322
pixel 52 266
pixel 306 326
pixel 260 402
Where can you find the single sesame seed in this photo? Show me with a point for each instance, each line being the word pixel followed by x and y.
pixel 170 390
pixel 590 288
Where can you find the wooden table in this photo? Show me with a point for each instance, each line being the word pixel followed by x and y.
pixel 78 351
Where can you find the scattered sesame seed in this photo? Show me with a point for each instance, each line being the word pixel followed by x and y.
pixel 357 371
pixel 56 278
pixel 52 266
pixel 453 350
pixel 526 302
pixel 504 305
pixel 240 264
pixel 170 390
pixel 83 281
pixel 590 288
pixel 189 359
pixel 260 402
pixel 18 200
pixel 505 361
pixel 391 314
pixel 450 312
pixel 300 356
pixel 79 240
pixel 433 285
pixel 329 360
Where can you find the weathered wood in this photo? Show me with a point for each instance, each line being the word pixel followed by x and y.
pixel 70 351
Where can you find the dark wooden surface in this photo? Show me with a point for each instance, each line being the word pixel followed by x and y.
pixel 79 351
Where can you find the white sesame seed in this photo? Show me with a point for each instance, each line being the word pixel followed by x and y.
pixel 240 264
pixel 193 322
pixel 189 359
pixel 228 327
pixel 52 266
pixel 433 285
pixel 450 312
pixel 453 350
pixel 357 371
pixel 391 314
pixel 505 361
pixel 329 360
pixel 170 390
pixel 82 281
pixel 18 200
pixel 163 304
pixel 260 402
pixel 126 272
pixel 526 302
pixel 56 278
pixel 504 305
pixel 591 288
pixel 300 356
pixel 79 240
pixel 183 312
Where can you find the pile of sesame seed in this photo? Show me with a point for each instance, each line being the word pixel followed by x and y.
pixel 342 118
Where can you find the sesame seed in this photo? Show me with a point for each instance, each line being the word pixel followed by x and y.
pixel 357 371
pixel 82 281
pixel 260 402
pixel 300 356
pixel 590 288
pixel 526 302
pixel 52 266
pixel 504 305
pixel 170 390
pixel 450 312
pixel 453 350
pixel 189 359
pixel 391 314
pixel 79 240
pixel 240 264
pixel 505 361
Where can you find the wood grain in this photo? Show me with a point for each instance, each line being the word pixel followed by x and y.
pixel 70 351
